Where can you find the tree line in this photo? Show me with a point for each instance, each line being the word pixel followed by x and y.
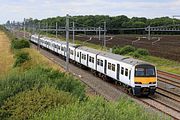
pixel 113 22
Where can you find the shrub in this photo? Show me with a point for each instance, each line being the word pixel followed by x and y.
pixel 127 49
pixel 19 44
pixel 143 52
pixel 21 57
pixel 136 55
pixel 99 109
pixel 25 104
pixel 116 50
pixel 69 84
pixel 39 77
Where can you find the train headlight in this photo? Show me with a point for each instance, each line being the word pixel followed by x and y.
pixel 138 82
pixel 152 82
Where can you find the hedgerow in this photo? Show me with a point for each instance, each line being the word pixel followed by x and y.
pixel 23 105
pixel 39 76
pixel 21 57
pixel 19 44
pixel 99 109
pixel 130 50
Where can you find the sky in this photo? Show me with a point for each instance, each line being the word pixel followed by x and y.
pixel 38 9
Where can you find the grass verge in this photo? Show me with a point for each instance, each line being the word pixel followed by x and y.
pixel 6 55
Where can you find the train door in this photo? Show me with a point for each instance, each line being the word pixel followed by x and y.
pixel 87 59
pixel 80 57
pixel 118 70
pixel 105 66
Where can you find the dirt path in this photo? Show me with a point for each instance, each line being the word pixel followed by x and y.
pixel 6 56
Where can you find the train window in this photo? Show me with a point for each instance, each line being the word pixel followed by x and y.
pixel 109 66
pixel 71 52
pixel 98 62
pixel 122 70
pixel 77 54
pixel 140 72
pixel 113 67
pixel 92 59
pixel 130 75
pixel 84 57
pixel 150 72
pixel 62 48
pixel 126 72
pixel 101 62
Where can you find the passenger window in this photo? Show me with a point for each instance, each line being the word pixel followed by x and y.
pixel 130 75
pixel 101 62
pixel 77 54
pixel 126 72
pixel 113 67
pixel 92 59
pixel 71 52
pixel 84 57
pixel 97 61
pixel 122 70
pixel 109 66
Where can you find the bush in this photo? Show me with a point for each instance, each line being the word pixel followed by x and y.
pixel 19 44
pixel 143 52
pixel 25 104
pixel 124 50
pixel 136 55
pixel 99 109
pixel 39 77
pixel 127 49
pixel 131 51
pixel 21 57
pixel 69 84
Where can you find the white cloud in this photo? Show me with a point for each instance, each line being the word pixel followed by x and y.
pixel 47 8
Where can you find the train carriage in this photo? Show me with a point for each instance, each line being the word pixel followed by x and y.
pixel 89 58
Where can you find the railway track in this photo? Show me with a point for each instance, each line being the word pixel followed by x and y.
pixel 168 94
pixel 175 76
pixel 157 103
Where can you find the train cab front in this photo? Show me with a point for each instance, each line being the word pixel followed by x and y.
pixel 145 80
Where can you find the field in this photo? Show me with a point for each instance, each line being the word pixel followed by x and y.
pixel 168 46
pixel 6 56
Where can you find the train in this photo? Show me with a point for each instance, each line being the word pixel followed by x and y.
pixel 139 77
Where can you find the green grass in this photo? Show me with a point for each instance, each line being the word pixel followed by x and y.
pixel 164 64
pixel 99 109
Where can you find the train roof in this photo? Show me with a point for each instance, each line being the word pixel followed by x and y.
pixel 91 50
pixel 125 59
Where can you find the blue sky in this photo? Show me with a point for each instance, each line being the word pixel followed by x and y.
pixel 19 9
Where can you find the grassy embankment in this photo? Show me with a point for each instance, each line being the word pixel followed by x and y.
pixel 6 56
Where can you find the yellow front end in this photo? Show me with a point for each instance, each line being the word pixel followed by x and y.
pixel 144 85
pixel 145 80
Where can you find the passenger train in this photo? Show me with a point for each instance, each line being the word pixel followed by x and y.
pixel 138 76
